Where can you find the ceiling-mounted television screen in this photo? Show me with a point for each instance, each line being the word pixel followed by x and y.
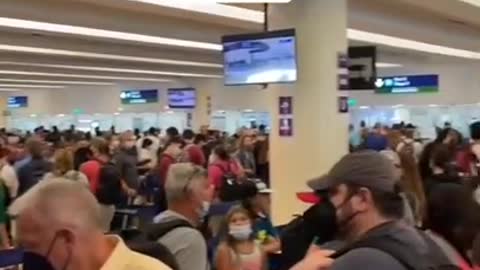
pixel 182 98
pixel 139 96
pixel 17 102
pixel 268 57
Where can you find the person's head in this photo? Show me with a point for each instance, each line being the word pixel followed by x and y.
pixel 363 189
pixel 55 129
pixel 100 148
pixel 35 148
pixel 113 142
pixel 4 153
pixel 200 139
pixel 246 142
pixel 220 153
pixel 146 143
pixel 237 225
pixel 63 161
pixel 188 190
pixel 172 132
pixel 81 155
pixel 188 135
pixel 257 200
pixel 453 213
pixel 475 131
pixel 442 157
pixel 127 140
pixel 174 148
pixel 59 221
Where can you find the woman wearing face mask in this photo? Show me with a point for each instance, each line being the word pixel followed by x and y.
pixel 239 250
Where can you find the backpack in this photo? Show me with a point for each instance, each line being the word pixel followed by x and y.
pixel 231 189
pixel 109 190
pixel 146 241
pixel 405 255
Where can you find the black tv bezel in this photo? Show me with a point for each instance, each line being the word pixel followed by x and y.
pixel 181 89
pixel 291 32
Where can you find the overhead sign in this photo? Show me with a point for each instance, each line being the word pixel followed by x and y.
pixel 407 84
pixel 362 71
pixel 17 102
pixel 139 96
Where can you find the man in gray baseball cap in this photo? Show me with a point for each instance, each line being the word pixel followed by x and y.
pixel 368 209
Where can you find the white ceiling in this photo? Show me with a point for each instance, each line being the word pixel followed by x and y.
pixel 449 23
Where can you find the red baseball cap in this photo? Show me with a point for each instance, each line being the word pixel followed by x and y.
pixel 309 197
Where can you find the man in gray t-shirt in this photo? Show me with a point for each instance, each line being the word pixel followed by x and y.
pixel 363 190
pixel 188 195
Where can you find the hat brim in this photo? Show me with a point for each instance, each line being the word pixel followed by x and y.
pixel 308 197
pixel 321 183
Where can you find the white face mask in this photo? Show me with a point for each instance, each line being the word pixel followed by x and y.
pixel 240 232
pixel 203 211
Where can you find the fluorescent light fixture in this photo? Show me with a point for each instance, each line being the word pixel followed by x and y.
pixel 471 2
pixel 391 41
pixel 116 113
pixel 433 105
pixel 101 33
pixel 384 65
pixel 210 8
pixel 54 82
pixel 364 107
pixel 398 106
pixel 8 90
pixel 253 1
pixel 61 115
pixel 108 69
pixel 248 110
pixel 33 115
pixel 31 86
pixel 47 51
pixel 170 112
pixel 48 74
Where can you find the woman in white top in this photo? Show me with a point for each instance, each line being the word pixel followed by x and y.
pixel 239 251
pixel 64 167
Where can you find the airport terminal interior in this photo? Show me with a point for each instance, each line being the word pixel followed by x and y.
pixel 317 127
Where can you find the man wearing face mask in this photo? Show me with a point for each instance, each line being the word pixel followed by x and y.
pixel 59 228
pixel 126 159
pixel 368 211
pixel 188 194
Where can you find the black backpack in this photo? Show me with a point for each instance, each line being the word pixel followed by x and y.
pixel 109 190
pixel 146 241
pixel 231 188
pixel 406 255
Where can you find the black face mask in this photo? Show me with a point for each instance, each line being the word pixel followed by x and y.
pixel 35 261
pixel 321 221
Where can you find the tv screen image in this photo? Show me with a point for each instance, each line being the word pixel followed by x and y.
pixel 17 102
pixel 139 96
pixel 182 98
pixel 268 57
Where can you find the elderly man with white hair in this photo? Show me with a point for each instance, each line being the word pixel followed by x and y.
pixel 58 225
pixel 188 194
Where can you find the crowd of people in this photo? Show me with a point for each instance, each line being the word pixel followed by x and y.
pixel 394 202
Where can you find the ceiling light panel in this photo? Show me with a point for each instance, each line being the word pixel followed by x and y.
pixel 210 8
pixel 54 82
pixel 66 75
pixel 109 69
pixel 31 86
pixel 471 2
pixel 101 33
pixel 8 90
pixel 48 51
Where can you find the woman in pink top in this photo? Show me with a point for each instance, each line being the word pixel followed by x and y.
pixel 221 165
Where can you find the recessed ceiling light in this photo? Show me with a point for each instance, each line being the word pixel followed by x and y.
pixel 387 65
pixel 101 33
pixel 48 74
pixel 31 86
pixel 109 69
pixel 54 82
pixel 48 51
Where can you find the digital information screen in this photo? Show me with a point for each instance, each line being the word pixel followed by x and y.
pixel 139 96
pixel 407 84
pixel 17 102
pixel 182 98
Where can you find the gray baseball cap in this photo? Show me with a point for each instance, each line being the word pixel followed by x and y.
pixel 365 168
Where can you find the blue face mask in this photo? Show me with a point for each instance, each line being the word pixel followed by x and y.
pixel 35 261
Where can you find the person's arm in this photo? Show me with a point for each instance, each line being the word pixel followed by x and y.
pixel 373 258
pixel 11 181
pixel 224 259
pixel 316 259
pixel 194 253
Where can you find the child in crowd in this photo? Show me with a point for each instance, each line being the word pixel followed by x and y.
pixel 239 251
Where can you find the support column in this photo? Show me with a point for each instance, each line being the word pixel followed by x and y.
pixel 201 113
pixel 320 133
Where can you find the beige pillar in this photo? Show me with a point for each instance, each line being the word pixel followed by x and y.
pixel 320 133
